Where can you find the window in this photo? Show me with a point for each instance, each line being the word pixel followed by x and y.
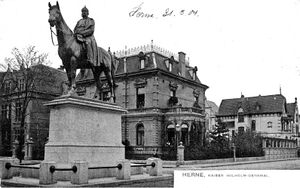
pixel 173 100
pixel 140 135
pixel 21 85
pixel 233 133
pixel 142 66
pixel 104 95
pixel 241 130
pixel 170 67
pixel 253 125
pixel 173 93
pixel 7 87
pixel 184 134
pixel 142 58
pixel 269 124
pixel 16 133
pixel 18 111
pixel 6 111
pixel 140 97
pixel 240 115
pixel 171 134
pixel 167 62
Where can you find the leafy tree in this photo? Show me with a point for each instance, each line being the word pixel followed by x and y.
pixel 219 144
pixel 25 74
pixel 248 144
pixel 220 135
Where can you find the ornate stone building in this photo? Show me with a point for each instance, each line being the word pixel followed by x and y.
pixel 163 95
pixel 269 115
pixel 14 90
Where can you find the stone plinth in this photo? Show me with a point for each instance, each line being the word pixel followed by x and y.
pixel 86 130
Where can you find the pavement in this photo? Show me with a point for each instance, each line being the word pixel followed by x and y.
pixel 169 169
pixel 143 180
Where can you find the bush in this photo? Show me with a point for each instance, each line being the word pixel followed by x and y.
pixel 248 144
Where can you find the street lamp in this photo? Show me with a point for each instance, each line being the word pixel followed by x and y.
pixel 234 151
pixel 177 128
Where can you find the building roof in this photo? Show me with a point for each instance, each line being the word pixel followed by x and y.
pixel 253 105
pixel 291 109
pixel 153 59
pixel 58 76
pixel 212 106
pixel 50 84
pixel 2 74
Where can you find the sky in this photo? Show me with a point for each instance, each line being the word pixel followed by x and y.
pixel 239 46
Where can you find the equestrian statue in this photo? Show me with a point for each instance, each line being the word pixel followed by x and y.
pixel 78 50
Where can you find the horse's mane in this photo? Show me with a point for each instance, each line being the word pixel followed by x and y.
pixel 60 14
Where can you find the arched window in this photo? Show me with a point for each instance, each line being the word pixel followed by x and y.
pixel 171 134
pixel 140 135
pixel 184 134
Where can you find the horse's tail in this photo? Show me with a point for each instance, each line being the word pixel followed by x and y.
pixel 113 66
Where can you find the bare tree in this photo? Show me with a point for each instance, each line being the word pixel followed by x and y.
pixel 25 79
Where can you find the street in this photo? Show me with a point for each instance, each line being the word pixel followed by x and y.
pixel 276 165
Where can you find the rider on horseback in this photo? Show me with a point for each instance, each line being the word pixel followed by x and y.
pixel 84 31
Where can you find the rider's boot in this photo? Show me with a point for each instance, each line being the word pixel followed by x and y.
pixel 90 57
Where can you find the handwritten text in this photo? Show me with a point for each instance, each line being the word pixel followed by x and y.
pixel 138 12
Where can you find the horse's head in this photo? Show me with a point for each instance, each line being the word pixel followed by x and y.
pixel 54 14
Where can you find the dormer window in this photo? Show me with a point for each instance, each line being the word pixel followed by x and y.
pixel 195 73
pixel 170 67
pixel 169 63
pixel 240 115
pixel 7 87
pixel 257 106
pixel 142 57
pixel 142 64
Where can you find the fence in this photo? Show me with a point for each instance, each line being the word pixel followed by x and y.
pixel 79 170
pixel 276 148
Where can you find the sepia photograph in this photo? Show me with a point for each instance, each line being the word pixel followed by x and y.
pixel 140 93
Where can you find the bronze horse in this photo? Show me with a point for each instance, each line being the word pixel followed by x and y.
pixel 73 55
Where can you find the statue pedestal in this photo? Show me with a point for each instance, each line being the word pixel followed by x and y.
pixel 86 130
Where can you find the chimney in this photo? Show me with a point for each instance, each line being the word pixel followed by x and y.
pixel 296 100
pixel 181 58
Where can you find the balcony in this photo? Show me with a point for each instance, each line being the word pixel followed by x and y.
pixel 172 110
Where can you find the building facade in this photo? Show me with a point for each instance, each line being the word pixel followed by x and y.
pixel 22 96
pixel 211 110
pixel 269 115
pixel 163 95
